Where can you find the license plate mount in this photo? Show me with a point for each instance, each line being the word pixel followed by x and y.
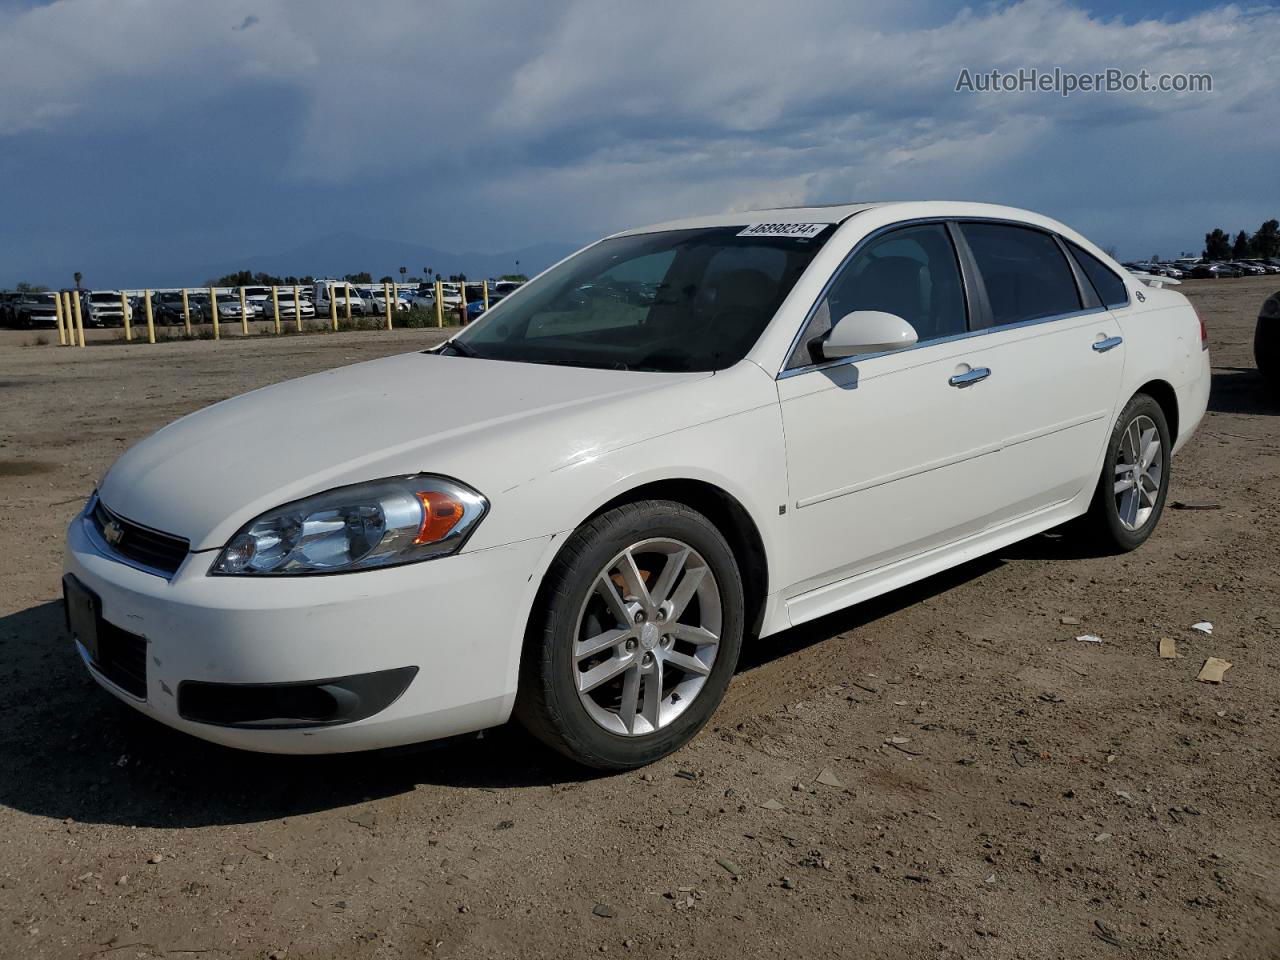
pixel 84 612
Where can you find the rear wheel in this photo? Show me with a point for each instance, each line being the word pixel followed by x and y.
pixel 1135 477
pixel 636 637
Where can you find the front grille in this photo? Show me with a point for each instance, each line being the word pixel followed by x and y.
pixel 151 548
pixel 122 658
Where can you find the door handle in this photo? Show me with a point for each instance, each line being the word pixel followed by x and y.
pixel 970 377
pixel 1102 346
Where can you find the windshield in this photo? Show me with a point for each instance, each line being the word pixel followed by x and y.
pixel 104 298
pixel 681 300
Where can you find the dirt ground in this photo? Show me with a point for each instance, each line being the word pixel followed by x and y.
pixel 945 772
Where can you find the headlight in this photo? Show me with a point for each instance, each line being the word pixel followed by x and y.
pixel 379 524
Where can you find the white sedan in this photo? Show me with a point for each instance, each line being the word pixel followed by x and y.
pixel 678 438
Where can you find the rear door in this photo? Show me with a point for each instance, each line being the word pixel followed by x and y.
pixel 1056 356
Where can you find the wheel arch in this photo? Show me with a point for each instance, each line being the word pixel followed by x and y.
pixel 1162 392
pixel 730 517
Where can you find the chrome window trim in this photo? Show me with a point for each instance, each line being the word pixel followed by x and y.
pixel 784 373
pixel 106 551
pixel 968 335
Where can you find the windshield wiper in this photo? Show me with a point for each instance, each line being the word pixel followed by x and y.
pixel 461 349
pixel 590 364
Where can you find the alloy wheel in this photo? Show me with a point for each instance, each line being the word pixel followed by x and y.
pixel 1139 473
pixel 647 636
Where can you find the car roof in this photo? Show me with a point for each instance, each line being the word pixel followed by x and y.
pixel 840 212
pixel 819 213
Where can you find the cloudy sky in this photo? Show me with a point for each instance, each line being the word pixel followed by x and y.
pixel 156 135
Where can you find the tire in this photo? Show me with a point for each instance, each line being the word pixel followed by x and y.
pixel 1122 520
pixel 595 727
pixel 1266 351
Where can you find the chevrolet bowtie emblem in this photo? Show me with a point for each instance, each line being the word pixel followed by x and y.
pixel 113 532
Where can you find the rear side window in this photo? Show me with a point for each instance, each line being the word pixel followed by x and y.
pixel 1111 289
pixel 1026 275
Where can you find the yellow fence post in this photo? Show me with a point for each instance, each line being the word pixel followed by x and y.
pixel 439 304
pixel 79 319
pixel 485 287
pixel 213 314
pixel 151 325
pixel 66 314
pixel 386 292
pixel 346 291
pixel 124 316
pixel 244 315
pixel 57 313
pixel 275 307
pixel 186 311
pixel 297 308
pixel 333 309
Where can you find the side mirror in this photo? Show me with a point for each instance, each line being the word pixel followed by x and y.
pixel 867 331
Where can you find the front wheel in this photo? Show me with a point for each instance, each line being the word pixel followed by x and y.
pixel 635 638
pixel 1135 476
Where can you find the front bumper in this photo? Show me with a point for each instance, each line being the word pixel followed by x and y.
pixel 459 620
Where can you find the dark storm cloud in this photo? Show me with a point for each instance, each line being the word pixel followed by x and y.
pixel 152 136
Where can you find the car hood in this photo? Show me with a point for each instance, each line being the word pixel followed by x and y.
pixel 490 424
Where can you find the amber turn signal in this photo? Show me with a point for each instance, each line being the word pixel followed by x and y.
pixel 440 514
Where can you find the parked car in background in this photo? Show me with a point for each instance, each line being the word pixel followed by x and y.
pixel 1213 271
pixel 306 309
pixel 7 300
pixel 102 308
pixel 1248 269
pixel 229 308
pixel 1266 341
pixel 359 306
pixel 199 300
pixel 1264 265
pixel 451 294
pixel 377 300
pixel 579 508
pixel 260 299
pixel 167 307
pixel 36 310
pixel 420 299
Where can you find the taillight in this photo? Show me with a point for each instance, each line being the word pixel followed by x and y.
pixel 1204 333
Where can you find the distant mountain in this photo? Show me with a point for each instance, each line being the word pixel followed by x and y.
pixel 342 253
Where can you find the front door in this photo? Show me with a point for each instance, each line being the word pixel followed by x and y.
pixel 893 454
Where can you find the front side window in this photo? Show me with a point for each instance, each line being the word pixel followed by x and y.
pixel 1110 288
pixel 911 272
pixel 1025 273
pixel 678 300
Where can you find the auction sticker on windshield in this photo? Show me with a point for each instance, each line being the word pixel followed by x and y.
pixel 802 230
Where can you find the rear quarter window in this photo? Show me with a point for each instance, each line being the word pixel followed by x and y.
pixel 1110 288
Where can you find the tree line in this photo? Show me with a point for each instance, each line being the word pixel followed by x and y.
pixel 1263 243
pixel 248 278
